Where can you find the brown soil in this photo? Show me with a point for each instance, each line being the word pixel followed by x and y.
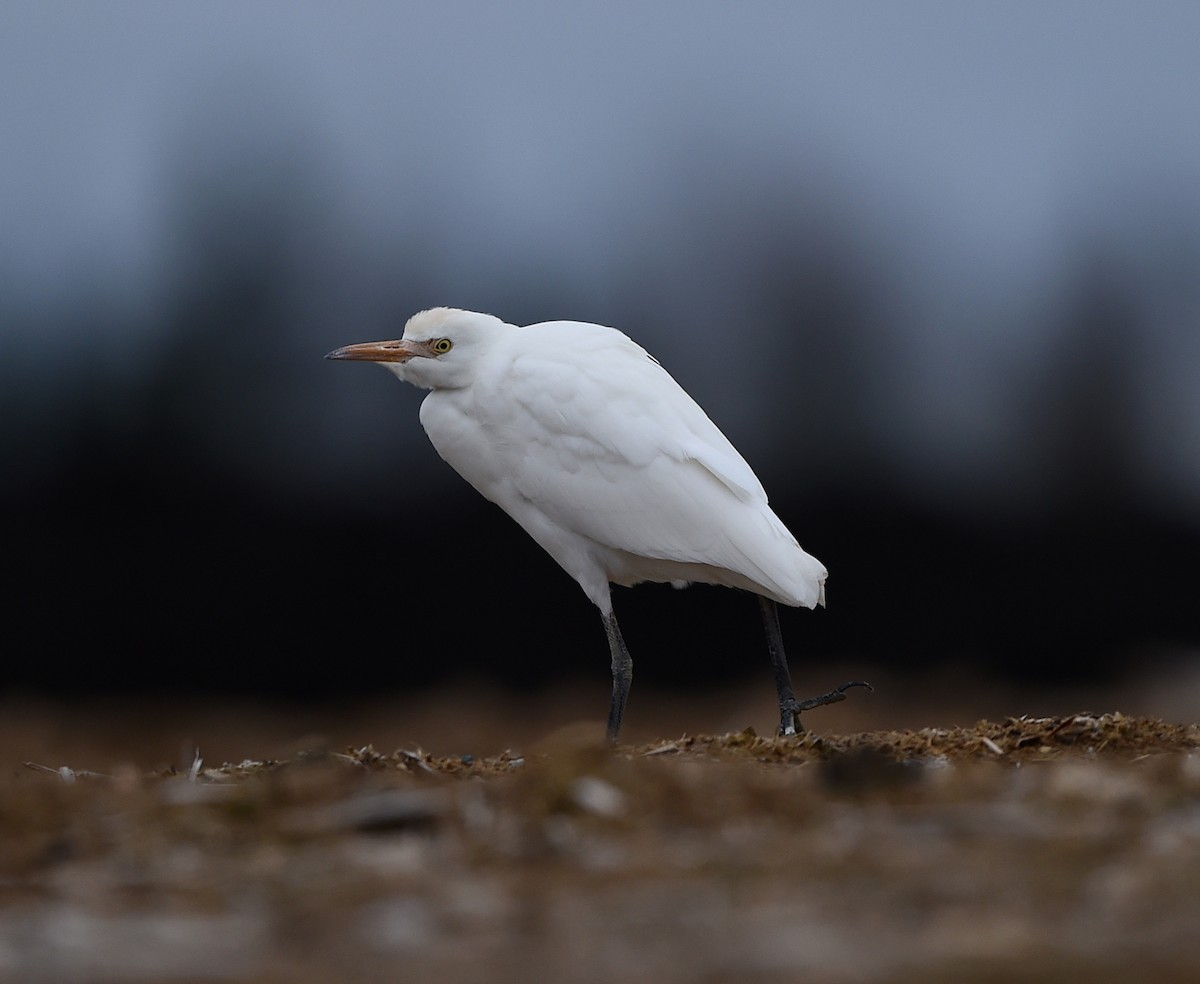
pixel 1045 849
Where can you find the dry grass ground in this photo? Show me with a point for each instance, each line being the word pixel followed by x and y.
pixel 1053 847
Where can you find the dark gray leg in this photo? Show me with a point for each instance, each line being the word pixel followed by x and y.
pixel 783 678
pixel 789 707
pixel 622 675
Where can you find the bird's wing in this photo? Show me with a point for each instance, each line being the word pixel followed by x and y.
pixel 606 444
pixel 606 397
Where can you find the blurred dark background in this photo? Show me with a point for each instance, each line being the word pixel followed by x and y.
pixel 934 268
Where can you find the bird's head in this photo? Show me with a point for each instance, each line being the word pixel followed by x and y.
pixel 441 348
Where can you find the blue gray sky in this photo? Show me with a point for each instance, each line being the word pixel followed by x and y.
pixel 895 226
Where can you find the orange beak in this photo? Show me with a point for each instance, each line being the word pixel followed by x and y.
pixel 396 351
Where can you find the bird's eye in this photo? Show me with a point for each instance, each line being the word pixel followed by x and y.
pixel 442 346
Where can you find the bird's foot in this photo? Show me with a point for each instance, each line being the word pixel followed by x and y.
pixel 835 695
pixel 789 710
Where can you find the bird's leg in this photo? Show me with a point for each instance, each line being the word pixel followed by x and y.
pixel 622 675
pixel 783 678
pixel 789 707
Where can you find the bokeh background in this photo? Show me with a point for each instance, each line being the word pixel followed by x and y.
pixel 933 267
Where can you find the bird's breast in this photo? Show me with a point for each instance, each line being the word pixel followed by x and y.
pixel 474 444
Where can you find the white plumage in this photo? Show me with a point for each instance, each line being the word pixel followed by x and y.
pixel 593 448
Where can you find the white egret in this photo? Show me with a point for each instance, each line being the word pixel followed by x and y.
pixel 587 442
